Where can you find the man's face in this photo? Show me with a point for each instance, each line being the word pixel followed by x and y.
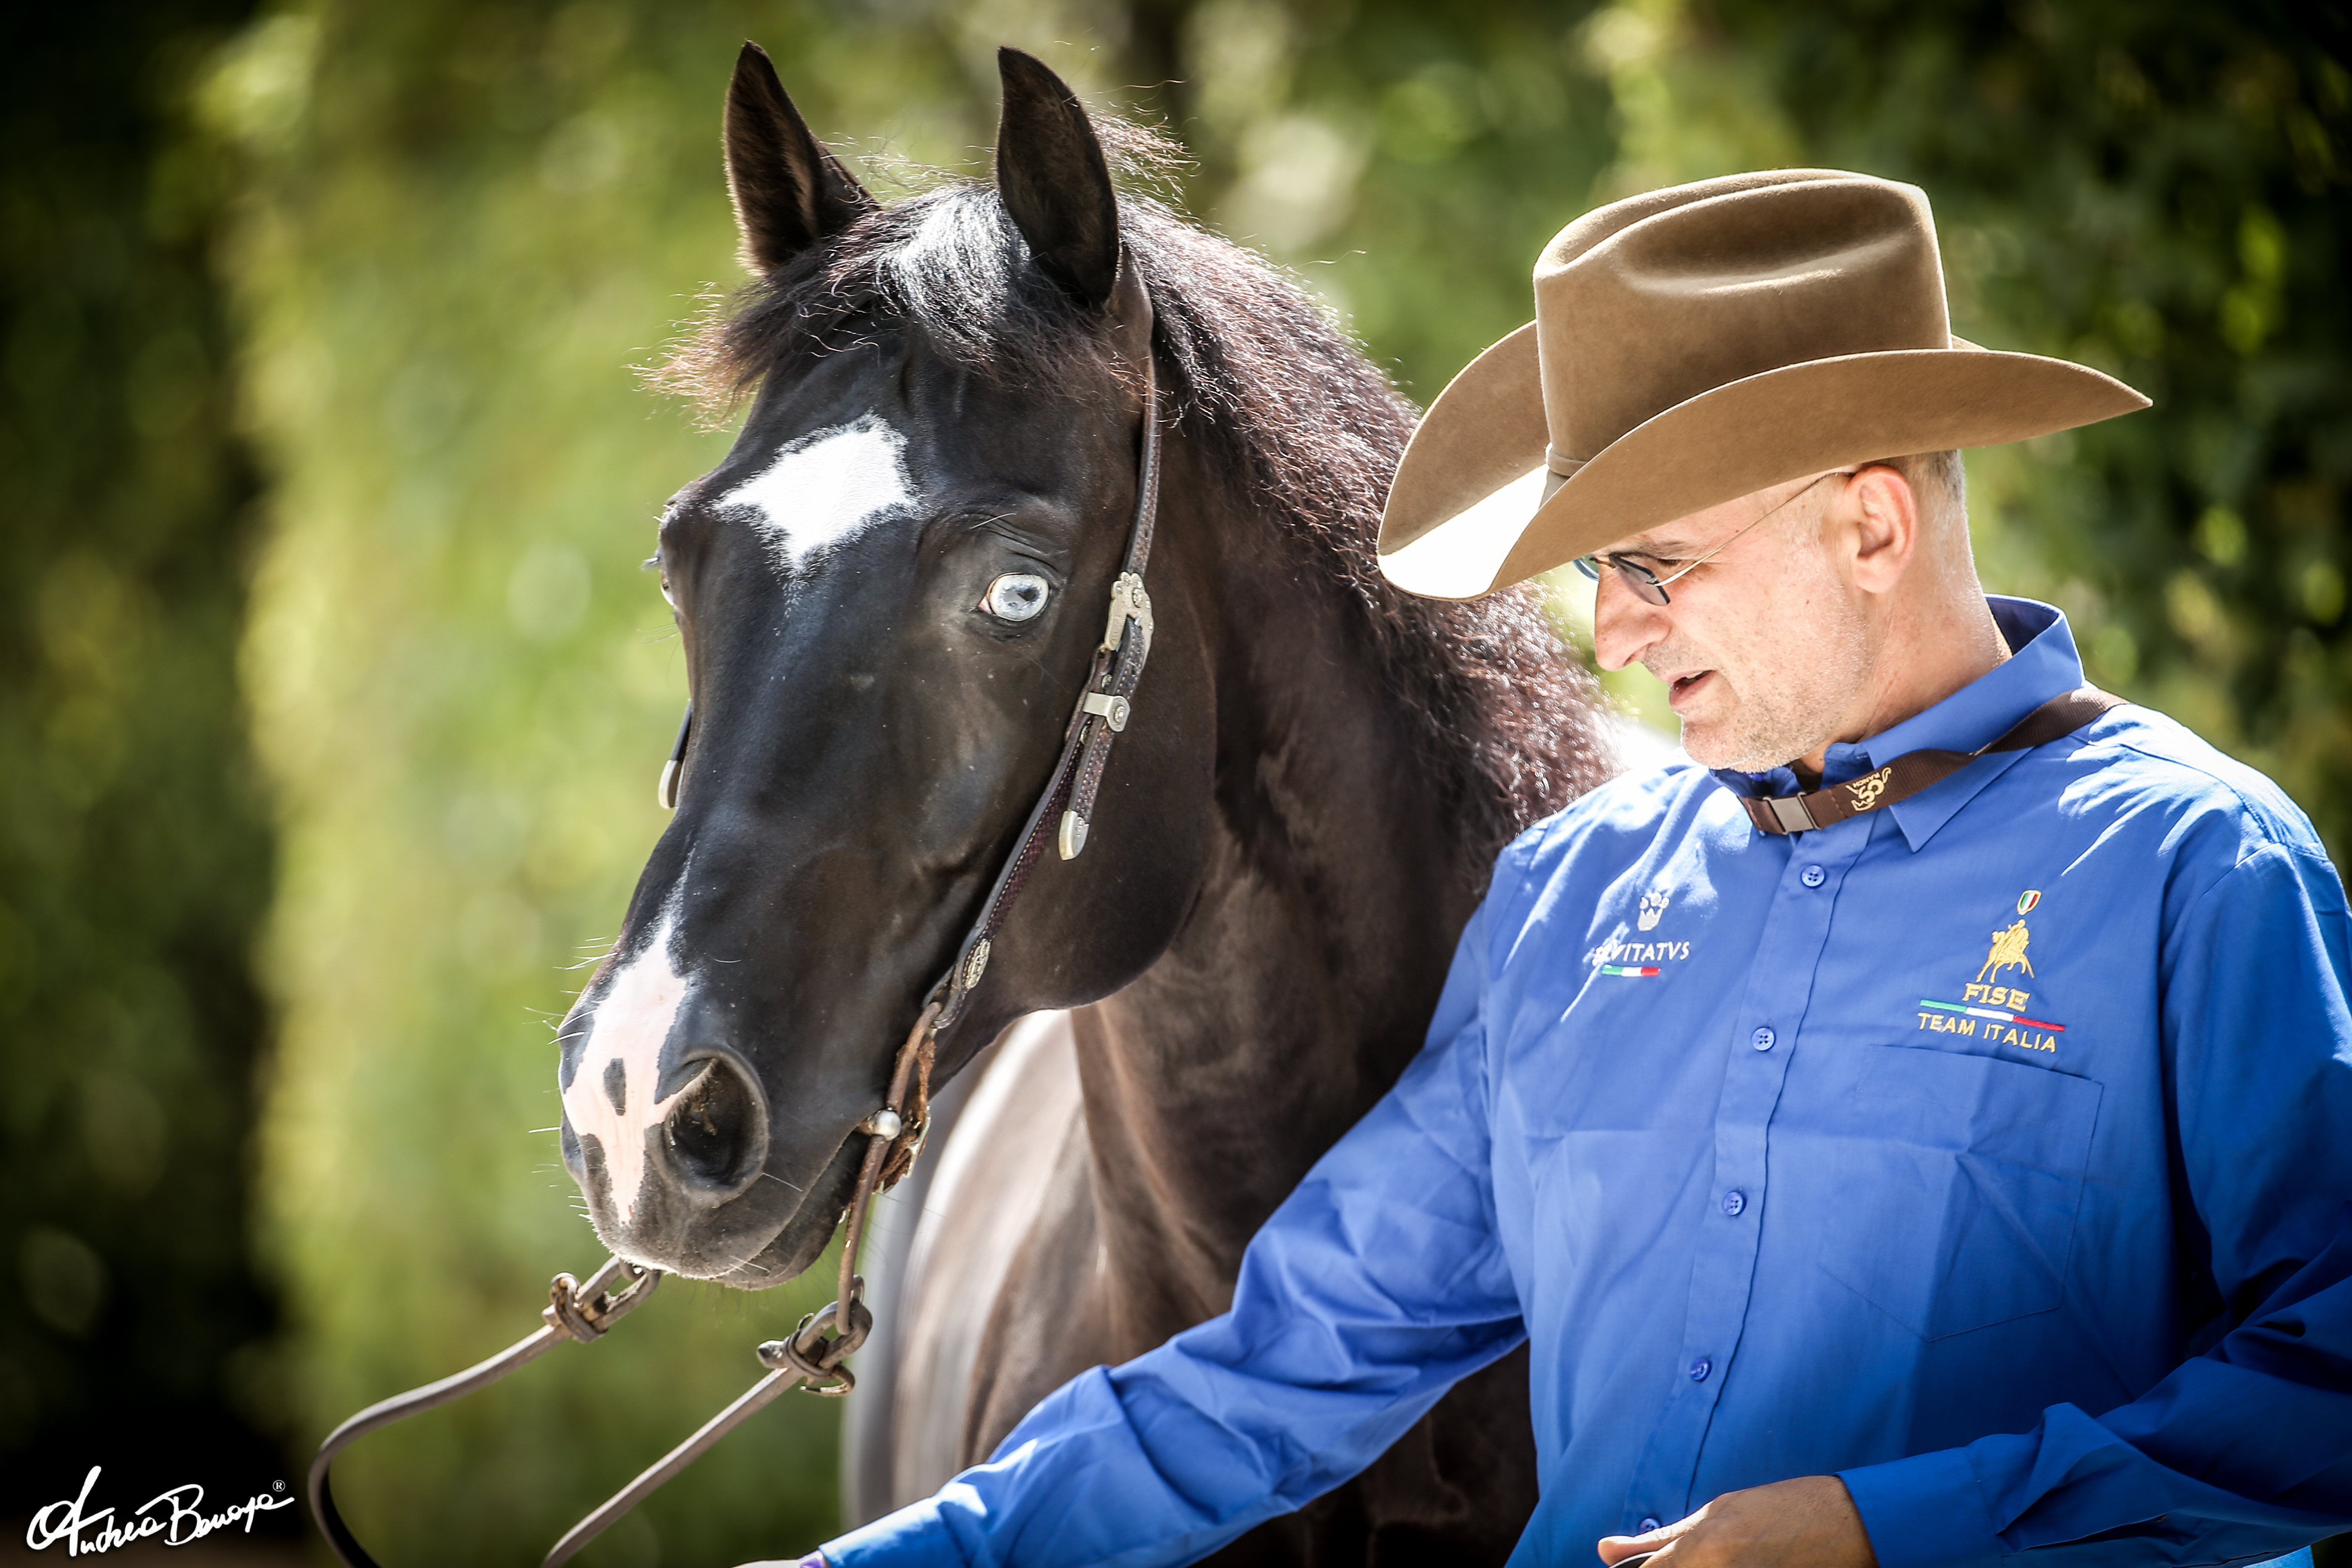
pixel 1767 646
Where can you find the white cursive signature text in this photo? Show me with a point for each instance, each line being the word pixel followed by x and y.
pixel 186 1521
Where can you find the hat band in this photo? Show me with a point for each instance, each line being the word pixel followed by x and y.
pixel 1560 464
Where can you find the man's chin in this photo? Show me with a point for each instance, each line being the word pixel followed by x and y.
pixel 1711 737
pixel 1708 745
pixel 1716 745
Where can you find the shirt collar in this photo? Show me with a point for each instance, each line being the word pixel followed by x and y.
pixel 2043 663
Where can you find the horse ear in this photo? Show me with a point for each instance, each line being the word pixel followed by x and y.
pixel 790 193
pixel 1051 174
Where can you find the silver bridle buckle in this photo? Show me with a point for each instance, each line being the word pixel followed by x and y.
pixel 1129 602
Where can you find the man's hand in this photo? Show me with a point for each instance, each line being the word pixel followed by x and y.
pixel 1808 1522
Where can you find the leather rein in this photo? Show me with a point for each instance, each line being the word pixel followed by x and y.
pixel 811 1357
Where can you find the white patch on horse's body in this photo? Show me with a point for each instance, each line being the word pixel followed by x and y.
pixel 626 1032
pixel 827 486
pixel 995 1175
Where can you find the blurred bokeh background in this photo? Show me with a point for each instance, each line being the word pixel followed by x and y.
pixel 331 694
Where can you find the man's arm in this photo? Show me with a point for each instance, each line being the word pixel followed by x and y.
pixel 1373 1289
pixel 2245 1451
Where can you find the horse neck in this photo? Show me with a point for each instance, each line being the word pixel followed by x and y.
pixel 1303 980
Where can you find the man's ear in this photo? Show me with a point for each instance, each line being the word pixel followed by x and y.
pixel 790 193
pixel 1056 185
pixel 1883 509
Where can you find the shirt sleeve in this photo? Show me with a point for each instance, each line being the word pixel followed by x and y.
pixel 1374 1288
pixel 2245 1451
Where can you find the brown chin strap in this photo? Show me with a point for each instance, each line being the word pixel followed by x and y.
pixel 813 1357
pixel 1912 772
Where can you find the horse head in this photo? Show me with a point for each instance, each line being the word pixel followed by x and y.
pixel 889 596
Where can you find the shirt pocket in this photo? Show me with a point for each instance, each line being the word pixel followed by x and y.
pixel 1961 1214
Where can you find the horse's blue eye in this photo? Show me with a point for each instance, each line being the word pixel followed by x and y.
pixel 1017 597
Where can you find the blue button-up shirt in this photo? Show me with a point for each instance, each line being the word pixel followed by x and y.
pixel 1990 1151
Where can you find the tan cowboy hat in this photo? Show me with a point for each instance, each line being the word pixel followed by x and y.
pixel 1697 344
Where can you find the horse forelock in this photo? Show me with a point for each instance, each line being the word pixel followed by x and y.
pixel 1292 414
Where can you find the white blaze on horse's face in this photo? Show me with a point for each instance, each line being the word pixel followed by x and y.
pixel 827 486
pixel 610 1097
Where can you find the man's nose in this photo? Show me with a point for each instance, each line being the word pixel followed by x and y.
pixel 1624 625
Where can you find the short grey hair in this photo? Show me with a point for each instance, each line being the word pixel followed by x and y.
pixel 1940 482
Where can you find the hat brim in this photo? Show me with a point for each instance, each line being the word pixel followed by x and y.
pixel 1446 531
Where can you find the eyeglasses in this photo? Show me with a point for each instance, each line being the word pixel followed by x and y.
pixel 1648 585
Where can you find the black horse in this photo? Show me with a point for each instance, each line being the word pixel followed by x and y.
pixel 889 596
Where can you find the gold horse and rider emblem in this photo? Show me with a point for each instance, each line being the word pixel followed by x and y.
pixel 1990 1010
pixel 2008 952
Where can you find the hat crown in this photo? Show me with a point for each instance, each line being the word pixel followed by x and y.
pixel 1658 299
pixel 1700 343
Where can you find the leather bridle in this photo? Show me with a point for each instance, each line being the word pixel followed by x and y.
pixel 813 1356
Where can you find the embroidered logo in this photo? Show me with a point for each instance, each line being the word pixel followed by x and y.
pixel 2026 899
pixel 1870 786
pixel 2001 1026
pixel 1635 959
pixel 1995 1012
pixel 1626 960
pixel 2008 952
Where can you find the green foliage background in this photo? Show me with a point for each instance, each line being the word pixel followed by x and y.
pixel 134 846
pixel 440 234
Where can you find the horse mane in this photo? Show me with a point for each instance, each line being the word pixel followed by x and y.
pixel 1287 407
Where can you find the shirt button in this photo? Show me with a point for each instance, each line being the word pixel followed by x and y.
pixel 1762 1038
pixel 1650 1522
pixel 1813 876
pixel 1700 1368
pixel 1734 1201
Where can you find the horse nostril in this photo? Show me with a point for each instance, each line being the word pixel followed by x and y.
pixel 717 1133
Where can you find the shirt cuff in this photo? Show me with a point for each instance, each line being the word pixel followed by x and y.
pixel 1926 1511
pixel 914 1537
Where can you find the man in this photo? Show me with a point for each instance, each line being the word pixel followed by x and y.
pixel 1916 1134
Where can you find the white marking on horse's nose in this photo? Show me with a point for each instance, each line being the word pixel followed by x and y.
pixel 827 486
pixel 621 1062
